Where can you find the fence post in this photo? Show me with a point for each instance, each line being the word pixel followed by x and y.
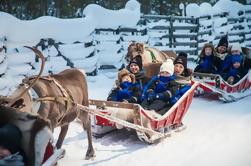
pixel 197 22
pixel 171 32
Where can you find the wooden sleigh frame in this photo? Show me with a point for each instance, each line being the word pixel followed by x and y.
pixel 149 126
pixel 218 82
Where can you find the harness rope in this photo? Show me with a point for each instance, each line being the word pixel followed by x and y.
pixel 66 98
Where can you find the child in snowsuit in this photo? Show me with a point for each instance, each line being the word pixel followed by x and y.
pixel 161 88
pixel 208 62
pixel 236 71
pixel 127 90
pixel 235 51
pixel 10 146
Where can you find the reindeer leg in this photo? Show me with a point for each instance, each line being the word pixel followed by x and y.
pixel 62 135
pixel 86 121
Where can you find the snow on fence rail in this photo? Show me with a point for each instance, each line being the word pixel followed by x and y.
pixel 106 48
pixel 189 34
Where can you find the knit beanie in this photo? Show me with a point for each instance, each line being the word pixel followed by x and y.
pixel 223 41
pixel 123 73
pixel 236 47
pixel 10 138
pixel 181 59
pixel 167 66
pixel 137 60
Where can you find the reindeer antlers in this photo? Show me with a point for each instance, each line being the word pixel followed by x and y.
pixel 40 55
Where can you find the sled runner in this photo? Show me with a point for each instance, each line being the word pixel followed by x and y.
pixel 212 83
pixel 149 125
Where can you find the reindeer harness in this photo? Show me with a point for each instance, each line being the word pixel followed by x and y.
pixel 66 99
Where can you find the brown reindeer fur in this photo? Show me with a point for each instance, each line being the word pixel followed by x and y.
pixel 152 69
pixel 74 82
pixel 135 49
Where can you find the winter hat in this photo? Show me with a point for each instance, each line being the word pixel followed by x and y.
pixel 10 138
pixel 236 58
pixel 223 41
pixel 123 73
pixel 181 59
pixel 167 66
pixel 236 47
pixel 137 60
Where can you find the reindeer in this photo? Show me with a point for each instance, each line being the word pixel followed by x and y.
pixel 58 95
pixel 148 54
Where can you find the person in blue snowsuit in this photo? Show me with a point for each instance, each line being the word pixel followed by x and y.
pixel 235 71
pixel 160 89
pixel 126 90
pixel 235 51
pixel 208 60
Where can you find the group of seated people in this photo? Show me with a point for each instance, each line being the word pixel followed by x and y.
pixel 158 93
pixel 163 90
pixel 228 62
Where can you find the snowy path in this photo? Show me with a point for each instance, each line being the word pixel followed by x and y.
pixel 216 134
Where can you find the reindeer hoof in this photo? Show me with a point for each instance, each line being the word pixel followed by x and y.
pixel 90 157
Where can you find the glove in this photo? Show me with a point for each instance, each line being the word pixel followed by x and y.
pixel 160 96
pixel 151 97
pixel 132 100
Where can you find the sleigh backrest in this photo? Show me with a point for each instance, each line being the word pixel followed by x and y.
pixel 175 114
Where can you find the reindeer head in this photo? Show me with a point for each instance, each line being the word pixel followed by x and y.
pixel 133 50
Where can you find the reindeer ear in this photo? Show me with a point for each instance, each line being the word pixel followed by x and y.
pixel 18 104
pixel 131 43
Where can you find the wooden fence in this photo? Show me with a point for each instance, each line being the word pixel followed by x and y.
pixel 189 34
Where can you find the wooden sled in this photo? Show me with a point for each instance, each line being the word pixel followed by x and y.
pixel 36 137
pixel 149 125
pixel 213 83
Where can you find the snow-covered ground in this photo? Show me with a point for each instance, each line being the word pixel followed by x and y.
pixel 216 134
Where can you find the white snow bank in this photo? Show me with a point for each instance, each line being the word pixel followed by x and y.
pixel 76 51
pixel 68 30
pixel 232 7
pixel 127 17
pixel 20 58
pixel 63 30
